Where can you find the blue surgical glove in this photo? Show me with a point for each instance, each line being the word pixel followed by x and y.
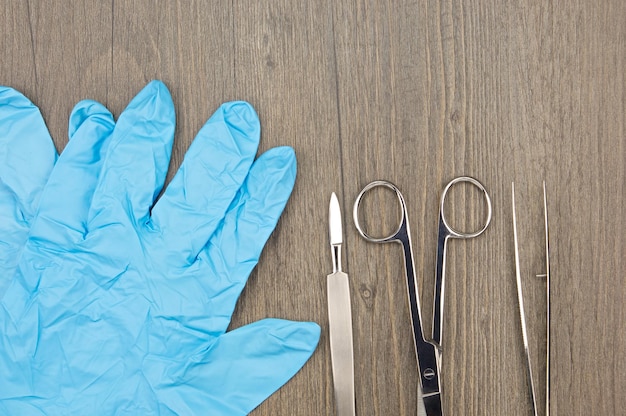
pixel 27 156
pixel 119 305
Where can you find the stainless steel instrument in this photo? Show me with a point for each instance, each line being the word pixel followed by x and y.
pixel 428 353
pixel 548 301
pixel 520 299
pixel 340 319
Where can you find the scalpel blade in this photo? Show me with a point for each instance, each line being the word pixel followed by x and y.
pixel 335 229
pixel 340 320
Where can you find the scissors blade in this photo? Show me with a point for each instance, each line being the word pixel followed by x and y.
pixel 432 405
pixel 421 410
pixel 340 320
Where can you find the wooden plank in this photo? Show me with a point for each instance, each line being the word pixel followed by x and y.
pixel 186 45
pixel 284 65
pixel 498 93
pixel 57 54
pixel 415 93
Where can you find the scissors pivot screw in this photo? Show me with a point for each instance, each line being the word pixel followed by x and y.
pixel 429 373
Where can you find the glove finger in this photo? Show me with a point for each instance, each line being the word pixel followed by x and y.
pixel 238 372
pixel 214 168
pixel 27 155
pixel 87 113
pixel 66 200
pixel 137 159
pixel 223 266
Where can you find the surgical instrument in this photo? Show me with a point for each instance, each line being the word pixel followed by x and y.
pixel 548 299
pixel 340 319
pixel 428 353
pixel 521 302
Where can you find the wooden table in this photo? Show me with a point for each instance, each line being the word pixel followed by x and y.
pixel 416 93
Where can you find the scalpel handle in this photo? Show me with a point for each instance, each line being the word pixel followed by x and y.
pixel 341 345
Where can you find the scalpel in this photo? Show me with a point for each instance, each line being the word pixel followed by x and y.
pixel 340 319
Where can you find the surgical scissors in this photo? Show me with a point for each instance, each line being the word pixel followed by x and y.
pixel 428 353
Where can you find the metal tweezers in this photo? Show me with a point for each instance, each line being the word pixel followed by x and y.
pixel 521 303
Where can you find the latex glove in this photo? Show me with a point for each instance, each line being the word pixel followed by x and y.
pixel 121 307
pixel 27 156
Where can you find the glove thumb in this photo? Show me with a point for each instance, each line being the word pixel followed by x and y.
pixel 241 369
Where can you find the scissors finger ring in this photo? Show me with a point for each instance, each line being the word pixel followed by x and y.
pixel 451 230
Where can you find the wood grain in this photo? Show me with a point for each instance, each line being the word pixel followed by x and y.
pixel 416 93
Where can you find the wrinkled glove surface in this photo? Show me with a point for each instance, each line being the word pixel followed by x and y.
pixel 27 157
pixel 117 305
